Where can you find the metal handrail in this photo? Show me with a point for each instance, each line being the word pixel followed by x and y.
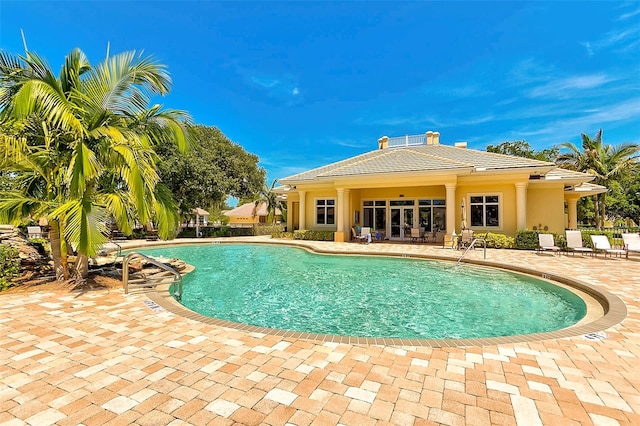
pixel 473 242
pixel 117 245
pixel 125 272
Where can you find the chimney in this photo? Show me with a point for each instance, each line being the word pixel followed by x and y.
pixel 460 144
pixel 436 138
pixel 429 136
pixel 383 142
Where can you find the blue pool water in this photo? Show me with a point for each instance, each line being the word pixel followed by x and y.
pixel 289 288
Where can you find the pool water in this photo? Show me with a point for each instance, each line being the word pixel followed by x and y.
pixel 367 296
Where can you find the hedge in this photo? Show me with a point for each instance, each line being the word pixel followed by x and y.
pixel 304 234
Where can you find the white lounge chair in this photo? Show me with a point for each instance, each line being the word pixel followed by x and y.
pixel 574 243
pixel 601 243
pixel 545 242
pixel 34 232
pixel 631 243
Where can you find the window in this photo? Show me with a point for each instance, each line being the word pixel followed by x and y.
pixel 485 211
pixel 374 214
pixel 325 212
pixel 432 215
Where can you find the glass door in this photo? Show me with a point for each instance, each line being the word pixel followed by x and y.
pixel 402 215
pixel 396 222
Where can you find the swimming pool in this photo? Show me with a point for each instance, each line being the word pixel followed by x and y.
pixel 290 288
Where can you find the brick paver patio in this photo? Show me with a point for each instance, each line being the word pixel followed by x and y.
pixel 99 357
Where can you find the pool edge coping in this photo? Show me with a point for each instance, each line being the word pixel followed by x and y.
pixel 615 310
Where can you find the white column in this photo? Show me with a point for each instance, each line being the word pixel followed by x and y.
pixel 521 205
pixel 340 210
pixel 302 209
pixel 451 207
pixel 289 215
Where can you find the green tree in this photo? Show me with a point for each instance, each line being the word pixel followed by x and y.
pixel 523 149
pixel 608 163
pixel 95 151
pixel 213 169
pixel 272 201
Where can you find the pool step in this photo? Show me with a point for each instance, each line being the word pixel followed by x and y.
pixel 149 273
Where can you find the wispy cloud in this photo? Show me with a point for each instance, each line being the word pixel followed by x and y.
pixel 628 15
pixel 566 87
pixel 619 40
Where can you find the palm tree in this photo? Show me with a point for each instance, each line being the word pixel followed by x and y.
pixel 606 162
pixel 272 201
pixel 104 132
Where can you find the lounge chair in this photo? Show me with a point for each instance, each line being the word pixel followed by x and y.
pixel 152 234
pixel 631 243
pixel 545 242
pixel 574 243
pixel 34 232
pixel 601 243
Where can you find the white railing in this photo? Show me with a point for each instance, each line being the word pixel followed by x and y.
pixel 407 140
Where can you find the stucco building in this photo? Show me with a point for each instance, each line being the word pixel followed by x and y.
pixel 414 181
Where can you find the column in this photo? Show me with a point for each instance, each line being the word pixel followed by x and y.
pixel 340 210
pixel 521 205
pixel 347 211
pixel 451 207
pixel 572 210
pixel 302 209
pixel 289 215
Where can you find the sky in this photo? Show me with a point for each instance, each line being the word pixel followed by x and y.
pixel 303 84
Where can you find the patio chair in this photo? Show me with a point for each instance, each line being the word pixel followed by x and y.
pixel 601 243
pixel 152 233
pixel 416 235
pixel 546 242
pixel 466 238
pixel 366 233
pixel 358 237
pixel 631 243
pixel 574 243
pixel 34 232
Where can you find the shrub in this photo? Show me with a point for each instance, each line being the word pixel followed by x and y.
pixel 282 235
pixel 304 234
pixel 268 229
pixel 498 241
pixel 9 266
pixel 526 240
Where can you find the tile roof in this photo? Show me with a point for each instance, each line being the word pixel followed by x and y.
pixel 417 158
pixel 248 210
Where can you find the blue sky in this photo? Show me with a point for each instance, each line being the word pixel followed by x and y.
pixel 302 84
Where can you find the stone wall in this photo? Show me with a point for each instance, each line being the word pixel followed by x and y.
pixel 33 263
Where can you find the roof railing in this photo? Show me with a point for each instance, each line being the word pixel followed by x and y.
pixel 407 141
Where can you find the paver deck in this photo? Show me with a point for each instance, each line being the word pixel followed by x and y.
pixel 99 357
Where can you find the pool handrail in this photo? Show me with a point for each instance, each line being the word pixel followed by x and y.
pixel 177 277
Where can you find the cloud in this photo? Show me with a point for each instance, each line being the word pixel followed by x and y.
pixel 567 86
pixel 628 15
pixel 295 91
pixel 619 40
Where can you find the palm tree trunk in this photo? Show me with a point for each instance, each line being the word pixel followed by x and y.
pixel 82 265
pixel 60 268
pixel 596 208
pixel 602 209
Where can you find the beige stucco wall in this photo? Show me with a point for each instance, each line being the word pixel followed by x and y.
pixel 545 206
